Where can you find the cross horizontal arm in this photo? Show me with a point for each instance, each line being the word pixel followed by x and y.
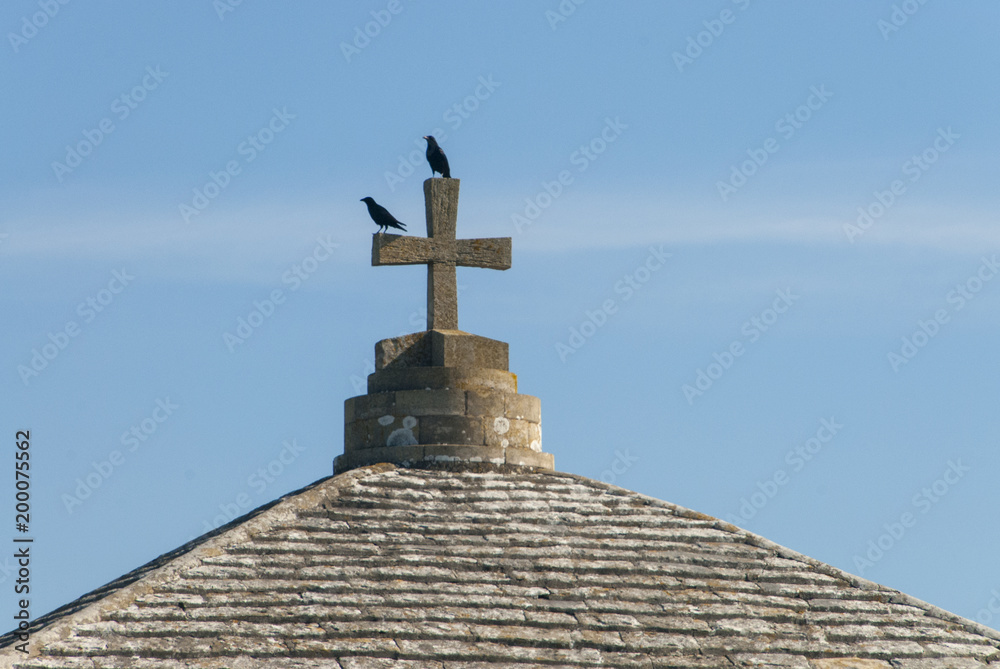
pixel 491 253
pixel 403 250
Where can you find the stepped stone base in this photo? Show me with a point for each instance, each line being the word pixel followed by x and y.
pixel 439 399
pixel 441 348
pixel 470 418
pixel 430 378
pixel 446 456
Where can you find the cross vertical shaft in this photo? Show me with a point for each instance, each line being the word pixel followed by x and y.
pixel 442 296
pixel 441 207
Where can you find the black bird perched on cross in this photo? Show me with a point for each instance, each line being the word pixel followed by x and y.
pixel 436 157
pixel 382 216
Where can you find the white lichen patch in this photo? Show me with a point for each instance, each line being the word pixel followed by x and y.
pixel 501 425
pixel 402 436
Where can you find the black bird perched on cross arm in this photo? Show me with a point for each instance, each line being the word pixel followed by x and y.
pixel 382 216
pixel 436 157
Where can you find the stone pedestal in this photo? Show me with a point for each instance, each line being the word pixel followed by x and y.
pixel 444 399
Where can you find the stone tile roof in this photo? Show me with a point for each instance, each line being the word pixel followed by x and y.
pixel 388 567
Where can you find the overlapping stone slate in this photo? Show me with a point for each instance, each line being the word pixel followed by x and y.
pixel 390 567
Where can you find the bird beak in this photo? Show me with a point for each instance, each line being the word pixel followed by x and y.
pixel 427 136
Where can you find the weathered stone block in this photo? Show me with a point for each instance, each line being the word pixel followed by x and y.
pixel 441 348
pixel 380 432
pixel 355 436
pixel 404 456
pixel 438 378
pixel 453 348
pixel 429 403
pixel 443 455
pixel 485 403
pixel 527 458
pixel 363 433
pixel 505 432
pixel 451 430
pixel 368 406
pixel 412 350
pixel 462 453
pixel 524 407
pixel 535 436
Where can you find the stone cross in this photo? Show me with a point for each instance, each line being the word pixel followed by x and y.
pixel 441 252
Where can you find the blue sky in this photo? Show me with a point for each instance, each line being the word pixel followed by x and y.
pixel 754 251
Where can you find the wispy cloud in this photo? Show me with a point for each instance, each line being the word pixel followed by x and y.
pixel 239 245
pixel 246 243
pixel 592 222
